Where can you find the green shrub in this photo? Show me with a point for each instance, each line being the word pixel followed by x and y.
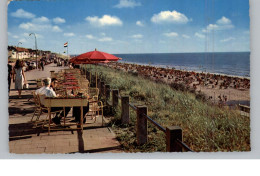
pixel 205 127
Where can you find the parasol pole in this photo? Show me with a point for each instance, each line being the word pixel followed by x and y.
pixel 90 75
pixel 96 73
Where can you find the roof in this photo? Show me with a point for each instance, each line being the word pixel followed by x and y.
pixel 22 49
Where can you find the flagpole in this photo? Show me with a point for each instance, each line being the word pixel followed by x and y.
pixel 68 50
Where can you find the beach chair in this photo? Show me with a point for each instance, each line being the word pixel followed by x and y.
pixel 95 107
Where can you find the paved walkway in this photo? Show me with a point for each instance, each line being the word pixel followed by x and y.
pixel 23 137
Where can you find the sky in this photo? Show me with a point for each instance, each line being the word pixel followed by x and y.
pixel 131 26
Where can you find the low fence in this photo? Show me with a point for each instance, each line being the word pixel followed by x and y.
pixel 174 136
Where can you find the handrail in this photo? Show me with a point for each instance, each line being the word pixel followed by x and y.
pixel 155 123
pixel 132 106
pixel 118 96
pixel 181 144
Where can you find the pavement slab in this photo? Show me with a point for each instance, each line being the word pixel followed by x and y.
pixel 24 138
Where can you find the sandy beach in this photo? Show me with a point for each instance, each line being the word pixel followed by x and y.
pixel 224 89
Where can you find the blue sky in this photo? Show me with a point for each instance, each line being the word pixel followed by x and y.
pixel 131 26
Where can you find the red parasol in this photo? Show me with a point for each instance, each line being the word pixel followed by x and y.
pixel 72 59
pixel 94 57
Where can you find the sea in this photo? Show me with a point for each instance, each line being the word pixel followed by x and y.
pixel 228 63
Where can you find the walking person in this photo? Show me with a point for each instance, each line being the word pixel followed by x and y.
pixel 19 77
pixel 10 68
pixel 39 66
pixel 42 65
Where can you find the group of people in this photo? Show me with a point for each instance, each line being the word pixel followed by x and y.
pixel 47 90
pixel 189 78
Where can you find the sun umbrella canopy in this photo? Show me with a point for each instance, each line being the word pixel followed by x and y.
pixel 95 57
pixel 72 59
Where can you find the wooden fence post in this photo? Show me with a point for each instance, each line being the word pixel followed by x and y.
pixel 115 93
pixel 125 109
pixel 107 91
pixel 101 90
pixel 172 134
pixel 141 132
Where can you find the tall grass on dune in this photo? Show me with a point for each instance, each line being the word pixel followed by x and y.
pixel 205 127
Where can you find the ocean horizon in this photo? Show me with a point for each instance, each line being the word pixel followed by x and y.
pixel 228 63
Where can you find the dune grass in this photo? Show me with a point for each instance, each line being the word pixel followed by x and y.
pixel 205 127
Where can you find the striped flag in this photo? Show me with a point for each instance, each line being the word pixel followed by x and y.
pixel 66 44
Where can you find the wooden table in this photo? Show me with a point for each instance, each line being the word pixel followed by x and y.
pixel 65 102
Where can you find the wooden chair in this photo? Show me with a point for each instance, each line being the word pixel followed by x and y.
pixel 43 109
pixel 38 109
pixel 95 106
pixel 93 92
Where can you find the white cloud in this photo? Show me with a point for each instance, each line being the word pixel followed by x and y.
pixel 26 25
pixel 228 39
pixel 103 34
pixel 185 36
pixel 25 34
pixel 221 24
pixel 41 20
pixel 28 35
pixel 106 20
pixel 139 23
pixel 20 13
pixel 224 21
pixel 38 35
pixel 32 27
pixel 170 17
pixel 71 34
pixel 56 29
pixel 36 27
pixel 171 34
pixel 22 40
pixel 59 20
pixel 15 36
pixel 127 4
pixel 89 36
pixel 137 36
pixel 199 35
pixel 40 24
pixel 105 39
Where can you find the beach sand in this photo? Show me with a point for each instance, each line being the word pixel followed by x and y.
pixel 225 89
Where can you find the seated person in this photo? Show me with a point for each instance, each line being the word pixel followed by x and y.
pixel 77 113
pixel 76 110
pixel 49 92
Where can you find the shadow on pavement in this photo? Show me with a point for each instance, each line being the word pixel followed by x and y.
pixel 100 150
pixel 23 97
pixel 22 131
pixel 15 110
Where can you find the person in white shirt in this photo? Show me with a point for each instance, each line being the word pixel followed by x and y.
pixel 49 92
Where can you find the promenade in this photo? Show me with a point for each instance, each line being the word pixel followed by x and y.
pixel 23 138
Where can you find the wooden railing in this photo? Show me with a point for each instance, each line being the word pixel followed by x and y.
pixel 174 136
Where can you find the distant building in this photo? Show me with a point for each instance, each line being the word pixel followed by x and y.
pixel 27 53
